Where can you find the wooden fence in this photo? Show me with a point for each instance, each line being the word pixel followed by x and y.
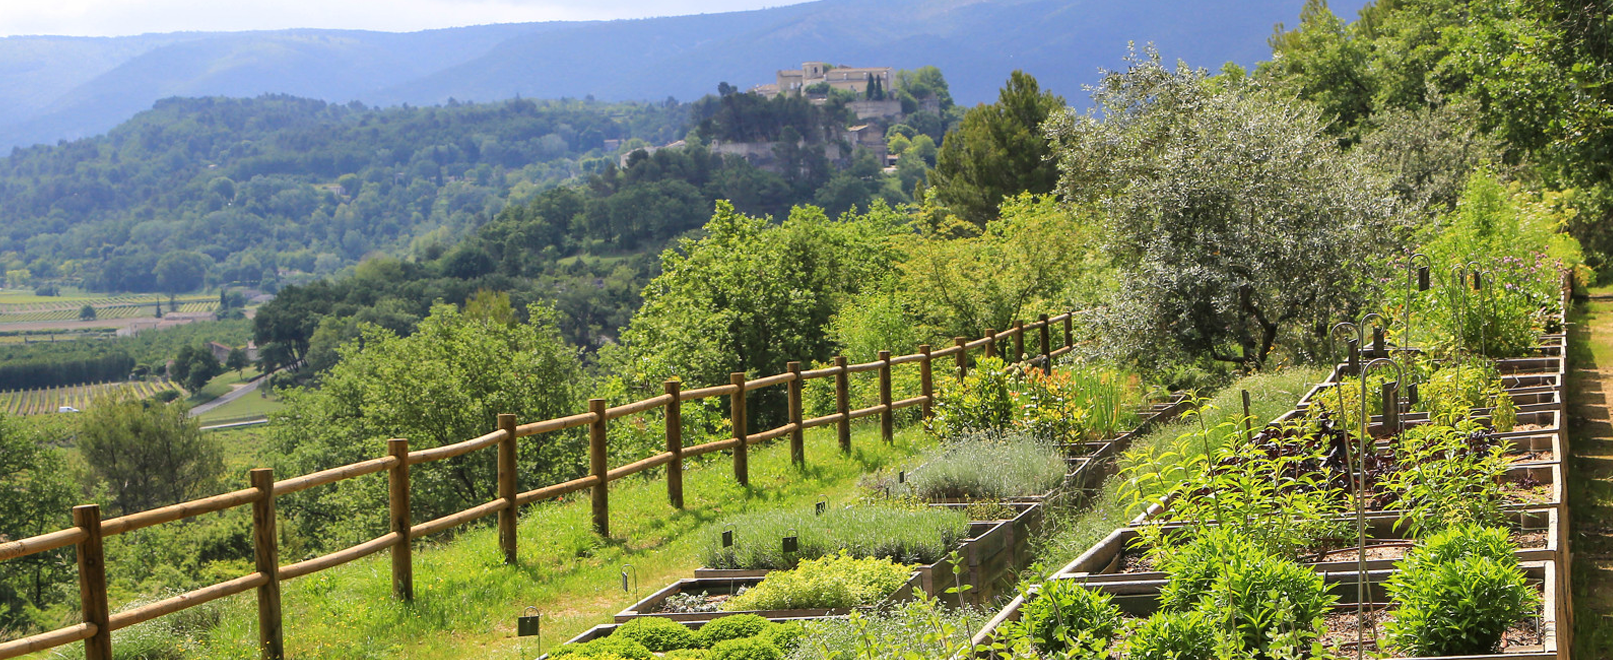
pixel 89 530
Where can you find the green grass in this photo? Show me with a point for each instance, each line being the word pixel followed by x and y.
pixel 222 384
pixel 1590 488
pixel 466 600
pixel 243 448
pixel 253 403
pixel 1270 396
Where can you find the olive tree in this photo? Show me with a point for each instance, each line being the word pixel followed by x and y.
pixel 1231 214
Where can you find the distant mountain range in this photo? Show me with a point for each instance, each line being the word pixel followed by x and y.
pixel 54 88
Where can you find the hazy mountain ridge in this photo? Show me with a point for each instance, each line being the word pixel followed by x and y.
pixel 54 88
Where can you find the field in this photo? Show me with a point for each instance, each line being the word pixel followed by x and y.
pixel 31 308
pixel 50 399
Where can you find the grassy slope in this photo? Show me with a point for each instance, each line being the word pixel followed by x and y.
pixel 1270 395
pixel 248 405
pixel 466 601
pixel 1590 476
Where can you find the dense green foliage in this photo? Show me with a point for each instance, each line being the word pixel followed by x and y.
pixel 1065 614
pixel 999 150
pixel 238 190
pixel 657 634
pixel 836 581
pixel 1530 76
pixel 36 490
pixel 446 383
pixel 1458 593
pixel 1232 216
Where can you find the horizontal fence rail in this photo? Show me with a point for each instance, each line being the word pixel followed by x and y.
pixel 88 532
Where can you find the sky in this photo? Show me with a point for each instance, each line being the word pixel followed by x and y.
pixel 103 18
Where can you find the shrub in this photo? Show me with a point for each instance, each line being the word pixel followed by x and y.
pixel 746 648
pixel 985 467
pixel 786 636
pixel 605 648
pixel 1194 567
pixel 1459 607
pixel 1269 602
pixel 1445 478
pixel 905 535
pixel 657 634
pixel 1174 635
pixel 1069 405
pixel 731 627
pixel 685 654
pixel 840 581
pixel 1463 541
pixel 1064 614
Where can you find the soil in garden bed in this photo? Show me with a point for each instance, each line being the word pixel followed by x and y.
pixel 1341 625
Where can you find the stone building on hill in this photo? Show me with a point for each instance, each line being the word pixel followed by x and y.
pixel 850 79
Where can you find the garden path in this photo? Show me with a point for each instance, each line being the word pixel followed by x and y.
pixel 1591 473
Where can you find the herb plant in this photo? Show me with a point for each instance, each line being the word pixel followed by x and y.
pixel 917 535
pixel 838 581
pixel 1459 607
pixel 984 467
pixel 1174 635
pixel 745 648
pixel 1064 615
pixel 921 628
pixel 657 634
pixel 731 627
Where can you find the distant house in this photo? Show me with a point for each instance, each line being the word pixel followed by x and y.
pixel 850 79
pixel 221 352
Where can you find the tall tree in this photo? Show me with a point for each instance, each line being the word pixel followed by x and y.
pixel 1232 214
pixel 1000 150
pixel 36 491
pixel 148 454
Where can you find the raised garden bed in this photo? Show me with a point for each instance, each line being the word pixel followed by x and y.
pixel 1538 639
pixel 1539 534
pixel 677 600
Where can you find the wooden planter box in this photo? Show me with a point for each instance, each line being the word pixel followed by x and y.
pixel 1103 561
pixel 994 550
pixel 648 606
pixel 1141 598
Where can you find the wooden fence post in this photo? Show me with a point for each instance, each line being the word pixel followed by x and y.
pixel 599 467
pixel 798 436
pixel 92 583
pixel 1019 341
pixel 736 404
pixel 506 487
pixel 887 419
pixel 1047 343
pixel 266 555
pixel 926 382
pixel 991 342
pixel 674 443
pixel 962 357
pixel 1069 332
pixel 398 501
pixel 843 403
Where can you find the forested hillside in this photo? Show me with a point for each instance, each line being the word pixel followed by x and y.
pixel 241 189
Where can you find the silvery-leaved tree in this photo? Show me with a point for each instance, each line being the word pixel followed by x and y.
pixel 1232 216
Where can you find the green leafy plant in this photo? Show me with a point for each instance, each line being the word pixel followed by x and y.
pixel 919 535
pixel 1269 602
pixel 745 648
pixel 1194 566
pixel 1063 615
pixel 1174 635
pixel 1463 541
pixel 1459 607
pixel 685 654
pixel 604 648
pixel 1068 405
pixel 657 634
pixel 838 581
pixel 786 636
pixel 1445 477
pixel 736 626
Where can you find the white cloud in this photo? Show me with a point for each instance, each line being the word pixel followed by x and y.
pixel 123 17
